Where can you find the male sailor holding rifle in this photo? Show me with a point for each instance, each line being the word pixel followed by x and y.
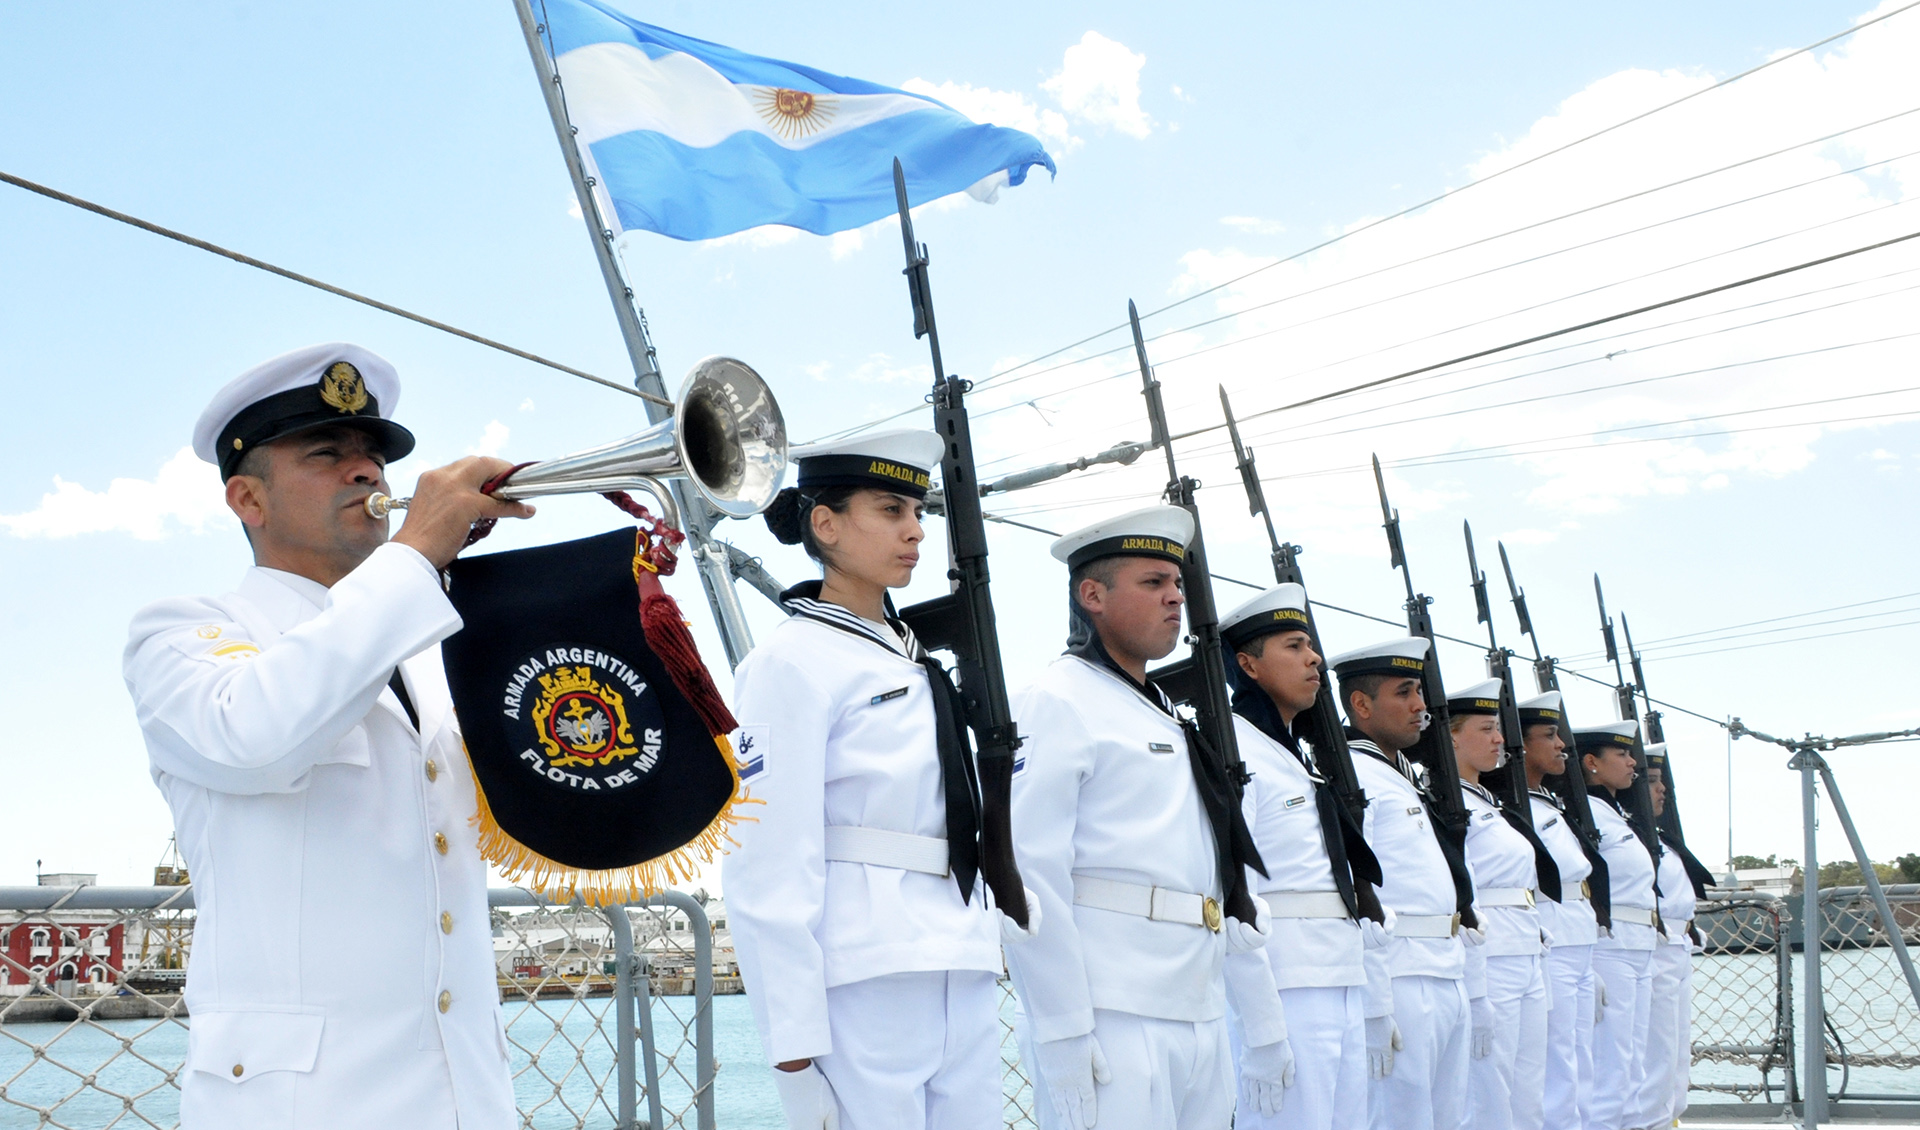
pixel 1300 1002
pixel 1417 1050
pixel 301 731
pixel 1122 988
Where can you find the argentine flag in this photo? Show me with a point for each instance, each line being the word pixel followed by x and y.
pixel 694 140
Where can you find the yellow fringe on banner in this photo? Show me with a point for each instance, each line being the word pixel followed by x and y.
pixel 557 882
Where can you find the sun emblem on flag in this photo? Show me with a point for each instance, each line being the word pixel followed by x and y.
pixel 793 113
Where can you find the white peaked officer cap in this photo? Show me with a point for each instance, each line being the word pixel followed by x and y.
pixel 1480 698
pixel 901 460
pixel 1282 608
pixel 332 383
pixel 1402 655
pixel 1543 708
pixel 1157 531
pixel 1589 739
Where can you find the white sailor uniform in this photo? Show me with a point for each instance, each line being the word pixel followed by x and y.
pixel 307 804
pixel 1623 965
pixel 1569 965
pixel 855 947
pixel 1505 1086
pixel 1427 1089
pixel 1669 1056
pixel 1309 983
pixel 1108 824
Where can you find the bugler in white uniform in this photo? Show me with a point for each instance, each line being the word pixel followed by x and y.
pixel 856 947
pixel 1506 1084
pixel 1623 960
pixel 307 804
pixel 1569 962
pixel 1115 842
pixel 1425 1087
pixel 1308 986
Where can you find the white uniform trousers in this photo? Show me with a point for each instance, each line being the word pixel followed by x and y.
pixel 1666 1036
pixel 1620 1039
pixel 1569 1066
pixel 1428 1087
pixel 1327 1029
pixel 1683 1047
pixel 1504 1089
pixel 1166 1075
pixel 915 1050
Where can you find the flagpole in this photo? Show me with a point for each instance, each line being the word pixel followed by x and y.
pixel 710 557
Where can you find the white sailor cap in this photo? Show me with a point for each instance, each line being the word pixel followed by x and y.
pixel 1282 608
pixel 1480 698
pixel 1594 738
pixel 1656 755
pixel 901 460
pixel 1543 708
pixel 1157 531
pixel 1402 655
pixel 332 383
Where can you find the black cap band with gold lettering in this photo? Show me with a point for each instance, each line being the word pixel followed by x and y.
pixel 1589 741
pixel 1267 623
pixel 1473 705
pixel 843 470
pixel 1129 545
pixel 1540 716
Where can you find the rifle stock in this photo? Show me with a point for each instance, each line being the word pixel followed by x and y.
pixel 963 621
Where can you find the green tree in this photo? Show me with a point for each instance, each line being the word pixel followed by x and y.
pixel 1909 865
pixel 1754 862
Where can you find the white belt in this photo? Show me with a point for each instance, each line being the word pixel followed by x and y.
pixel 1161 904
pixel 1426 925
pixel 1503 896
pixel 1305 904
pixel 848 843
pixel 1638 915
pixel 1586 889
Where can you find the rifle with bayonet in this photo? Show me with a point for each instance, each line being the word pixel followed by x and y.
pixel 1509 780
pixel 1639 800
pixel 1569 785
pixel 1204 674
pixel 1434 749
pixel 962 621
pixel 1319 725
pixel 1668 821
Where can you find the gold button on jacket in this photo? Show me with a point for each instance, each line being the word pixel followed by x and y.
pixel 440 843
pixel 433 770
pixel 446 922
pixel 446 1000
pixel 238 1071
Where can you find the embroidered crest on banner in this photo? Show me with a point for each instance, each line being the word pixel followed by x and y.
pixel 590 722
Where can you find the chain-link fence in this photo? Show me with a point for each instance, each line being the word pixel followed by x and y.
pixel 1872 1028
pixel 609 1014
pixel 1743 1001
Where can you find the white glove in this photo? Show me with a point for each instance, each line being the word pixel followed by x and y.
pixel 1482 1038
pixel 1071 1067
pixel 807 1099
pixel 1245 936
pixel 1376 935
pixel 1546 939
pixel 1010 931
pixel 1383 1039
pixel 1599 999
pixel 1473 935
pixel 1265 1074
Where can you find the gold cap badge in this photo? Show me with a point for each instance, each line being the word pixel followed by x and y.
pixel 341 388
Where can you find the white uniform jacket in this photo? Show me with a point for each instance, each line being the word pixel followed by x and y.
pixel 1500 858
pixel 1104 788
pixel 845 732
pixel 342 970
pixel 1302 952
pixel 1677 900
pixel 1418 880
pixel 1630 872
pixel 1570 921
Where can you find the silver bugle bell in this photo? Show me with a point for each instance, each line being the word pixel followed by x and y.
pixel 726 436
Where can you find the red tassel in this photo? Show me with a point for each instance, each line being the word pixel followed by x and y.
pixel 667 635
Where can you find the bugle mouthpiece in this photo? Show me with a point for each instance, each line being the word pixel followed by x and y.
pixel 380 505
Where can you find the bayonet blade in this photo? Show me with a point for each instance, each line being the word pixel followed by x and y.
pixel 1482 610
pixel 916 270
pixel 1519 597
pixel 1390 520
pixel 1606 623
pixel 1243 458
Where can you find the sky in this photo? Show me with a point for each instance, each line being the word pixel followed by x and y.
pixel 1732 467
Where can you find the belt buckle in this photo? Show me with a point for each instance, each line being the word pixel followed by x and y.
pixel 1210 913
pixel 1529 893
pixel 1453 925
pixel 1586 889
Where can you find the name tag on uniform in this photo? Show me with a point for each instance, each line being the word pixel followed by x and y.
pixel 1159 747
pixel 1489 815
pixel 890 695
pixel 1414 811
pixel 1296 802
pixel 1550 823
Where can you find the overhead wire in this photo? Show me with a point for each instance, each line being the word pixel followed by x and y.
pixel 1755 623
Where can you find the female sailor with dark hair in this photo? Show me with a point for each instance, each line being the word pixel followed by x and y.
pixel 1507 1075
pixel 1622 961
pixel 866 944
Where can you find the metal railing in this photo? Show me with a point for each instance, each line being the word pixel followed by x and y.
pixel 93 1029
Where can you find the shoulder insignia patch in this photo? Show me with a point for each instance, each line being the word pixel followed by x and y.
pixel 234 649
pixel 750 751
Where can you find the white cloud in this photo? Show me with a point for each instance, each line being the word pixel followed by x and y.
pixel 1099 84
pixel 1008 108
pixel 492 440
pixel 527 404
pixel 185 495
pixel 766 235
pixel 1254 225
